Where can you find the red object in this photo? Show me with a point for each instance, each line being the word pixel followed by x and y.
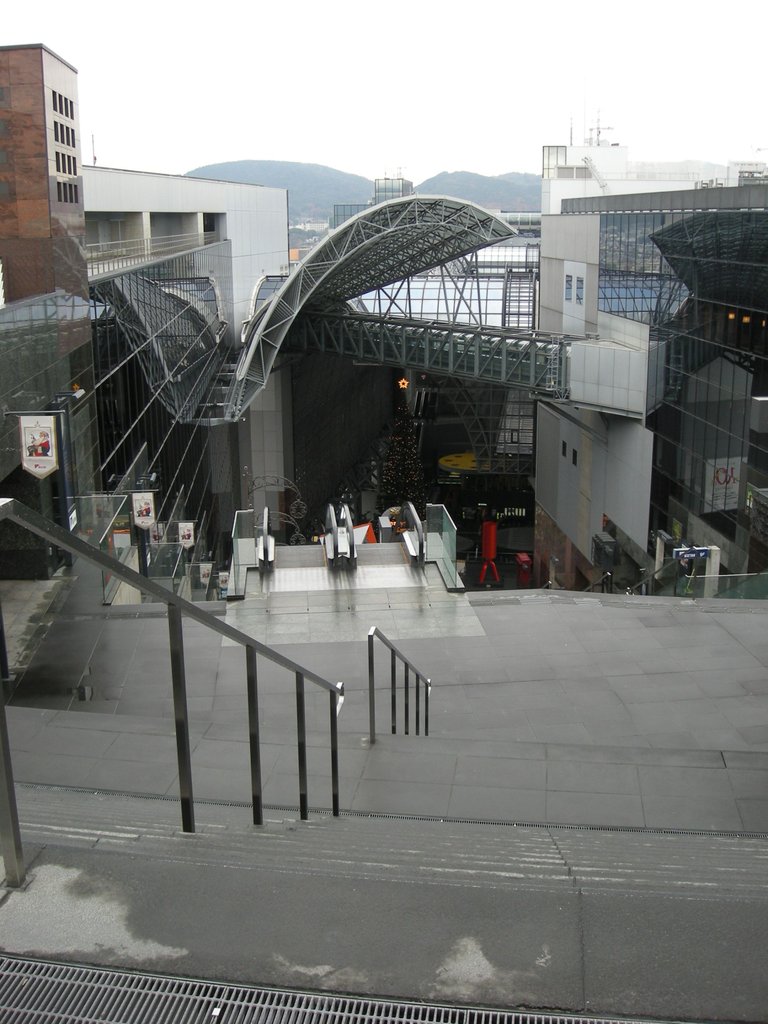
pixel 524 566
pixel 488 550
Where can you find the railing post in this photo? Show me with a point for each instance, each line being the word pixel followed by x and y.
pixel 371 689
pixel 301 732
pixel 405 698
pixel 254 746
pixel 418 683
pixel 10 835
pixel 181 716
pixel 334 713
pixel 393 688
pixel 427 688
pixel 5 672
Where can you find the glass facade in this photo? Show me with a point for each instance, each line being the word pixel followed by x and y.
pixel 495 286
pixel 699 279
pixel 157 350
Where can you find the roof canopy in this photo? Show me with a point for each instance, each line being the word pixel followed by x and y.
pixel 383 244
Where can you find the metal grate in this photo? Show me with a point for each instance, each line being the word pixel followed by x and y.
pixel 37 992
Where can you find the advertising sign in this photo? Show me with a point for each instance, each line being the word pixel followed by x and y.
pixel 687 554
pixel 39 451
pixel 143 507
pixel 187 535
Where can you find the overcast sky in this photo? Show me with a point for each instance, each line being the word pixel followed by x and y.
pixel 414 87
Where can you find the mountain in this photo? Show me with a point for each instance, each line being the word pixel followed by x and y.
pixel 313 189
pixel 503 192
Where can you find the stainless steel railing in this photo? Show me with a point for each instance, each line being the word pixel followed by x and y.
pixel 420 681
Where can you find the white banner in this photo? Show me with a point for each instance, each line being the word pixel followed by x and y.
pixel 187 535
pixel 39 451
pixel 143 505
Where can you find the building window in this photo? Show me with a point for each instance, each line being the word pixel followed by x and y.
pixel 56 102
pixel 56 130
pixel 564 449
pixel 59 192
pixel 574 457
pixel 580 290
pixel 569 288
pixel 58 161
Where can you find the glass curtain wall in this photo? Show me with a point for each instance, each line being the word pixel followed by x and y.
pixel 158 347
pixel 699 279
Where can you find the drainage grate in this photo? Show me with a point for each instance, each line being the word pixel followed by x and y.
pixel 37 992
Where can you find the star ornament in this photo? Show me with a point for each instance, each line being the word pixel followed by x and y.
pixel 402 383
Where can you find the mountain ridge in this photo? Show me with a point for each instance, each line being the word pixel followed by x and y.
pixel 314 189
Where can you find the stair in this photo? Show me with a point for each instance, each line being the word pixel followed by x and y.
pixel 401 849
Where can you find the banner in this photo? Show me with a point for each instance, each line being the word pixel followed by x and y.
pixel 39 451
pixel 187 535
pixel 143 506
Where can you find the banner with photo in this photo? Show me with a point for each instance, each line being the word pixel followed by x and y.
pixel 39 451
pixel 187 535
pixel 143 507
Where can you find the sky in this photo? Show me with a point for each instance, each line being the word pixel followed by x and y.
pixel 401 88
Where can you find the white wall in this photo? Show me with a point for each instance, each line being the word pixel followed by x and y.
pixel 612 474
pixel 254 217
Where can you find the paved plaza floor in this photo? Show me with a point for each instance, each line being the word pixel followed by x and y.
pixel 583 828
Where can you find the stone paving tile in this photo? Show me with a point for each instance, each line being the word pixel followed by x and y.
pixel 714 813
pixel 608 809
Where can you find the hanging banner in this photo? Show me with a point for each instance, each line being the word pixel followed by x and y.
pixel 39 451
pixel 143 505
pixel 187 535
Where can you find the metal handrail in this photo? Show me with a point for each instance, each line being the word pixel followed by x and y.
pixel 264 537
pixel 15 511
pixel 395 656
pixel 349 526
pixel 413 522
pixel 332 525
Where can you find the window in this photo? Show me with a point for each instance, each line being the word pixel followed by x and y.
pixel 56 102
pixel 564 449
pixel 56 131
pixel 569 288
pixel 574 457
pixel 58 161
pixel 580 290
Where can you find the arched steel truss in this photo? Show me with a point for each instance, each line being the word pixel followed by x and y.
pixel 375 248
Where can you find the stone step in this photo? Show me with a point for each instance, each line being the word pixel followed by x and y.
pixel 408 849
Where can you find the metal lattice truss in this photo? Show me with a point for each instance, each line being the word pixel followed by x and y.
pixel 379 246
pixel 534 361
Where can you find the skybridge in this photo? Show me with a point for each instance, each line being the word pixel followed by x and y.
pixel 532 361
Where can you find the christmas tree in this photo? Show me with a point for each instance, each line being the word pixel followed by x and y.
pixel 402 476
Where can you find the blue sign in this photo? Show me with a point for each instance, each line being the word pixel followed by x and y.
pixel 683 554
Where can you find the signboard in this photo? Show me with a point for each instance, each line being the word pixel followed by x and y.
pixel 39 450
pixel 722 485
pixel 205 573
pixel 143 508
pixel 223 584
pixel 687 554
pixel 187 535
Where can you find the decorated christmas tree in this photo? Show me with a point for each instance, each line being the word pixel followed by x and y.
pixel 402 476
